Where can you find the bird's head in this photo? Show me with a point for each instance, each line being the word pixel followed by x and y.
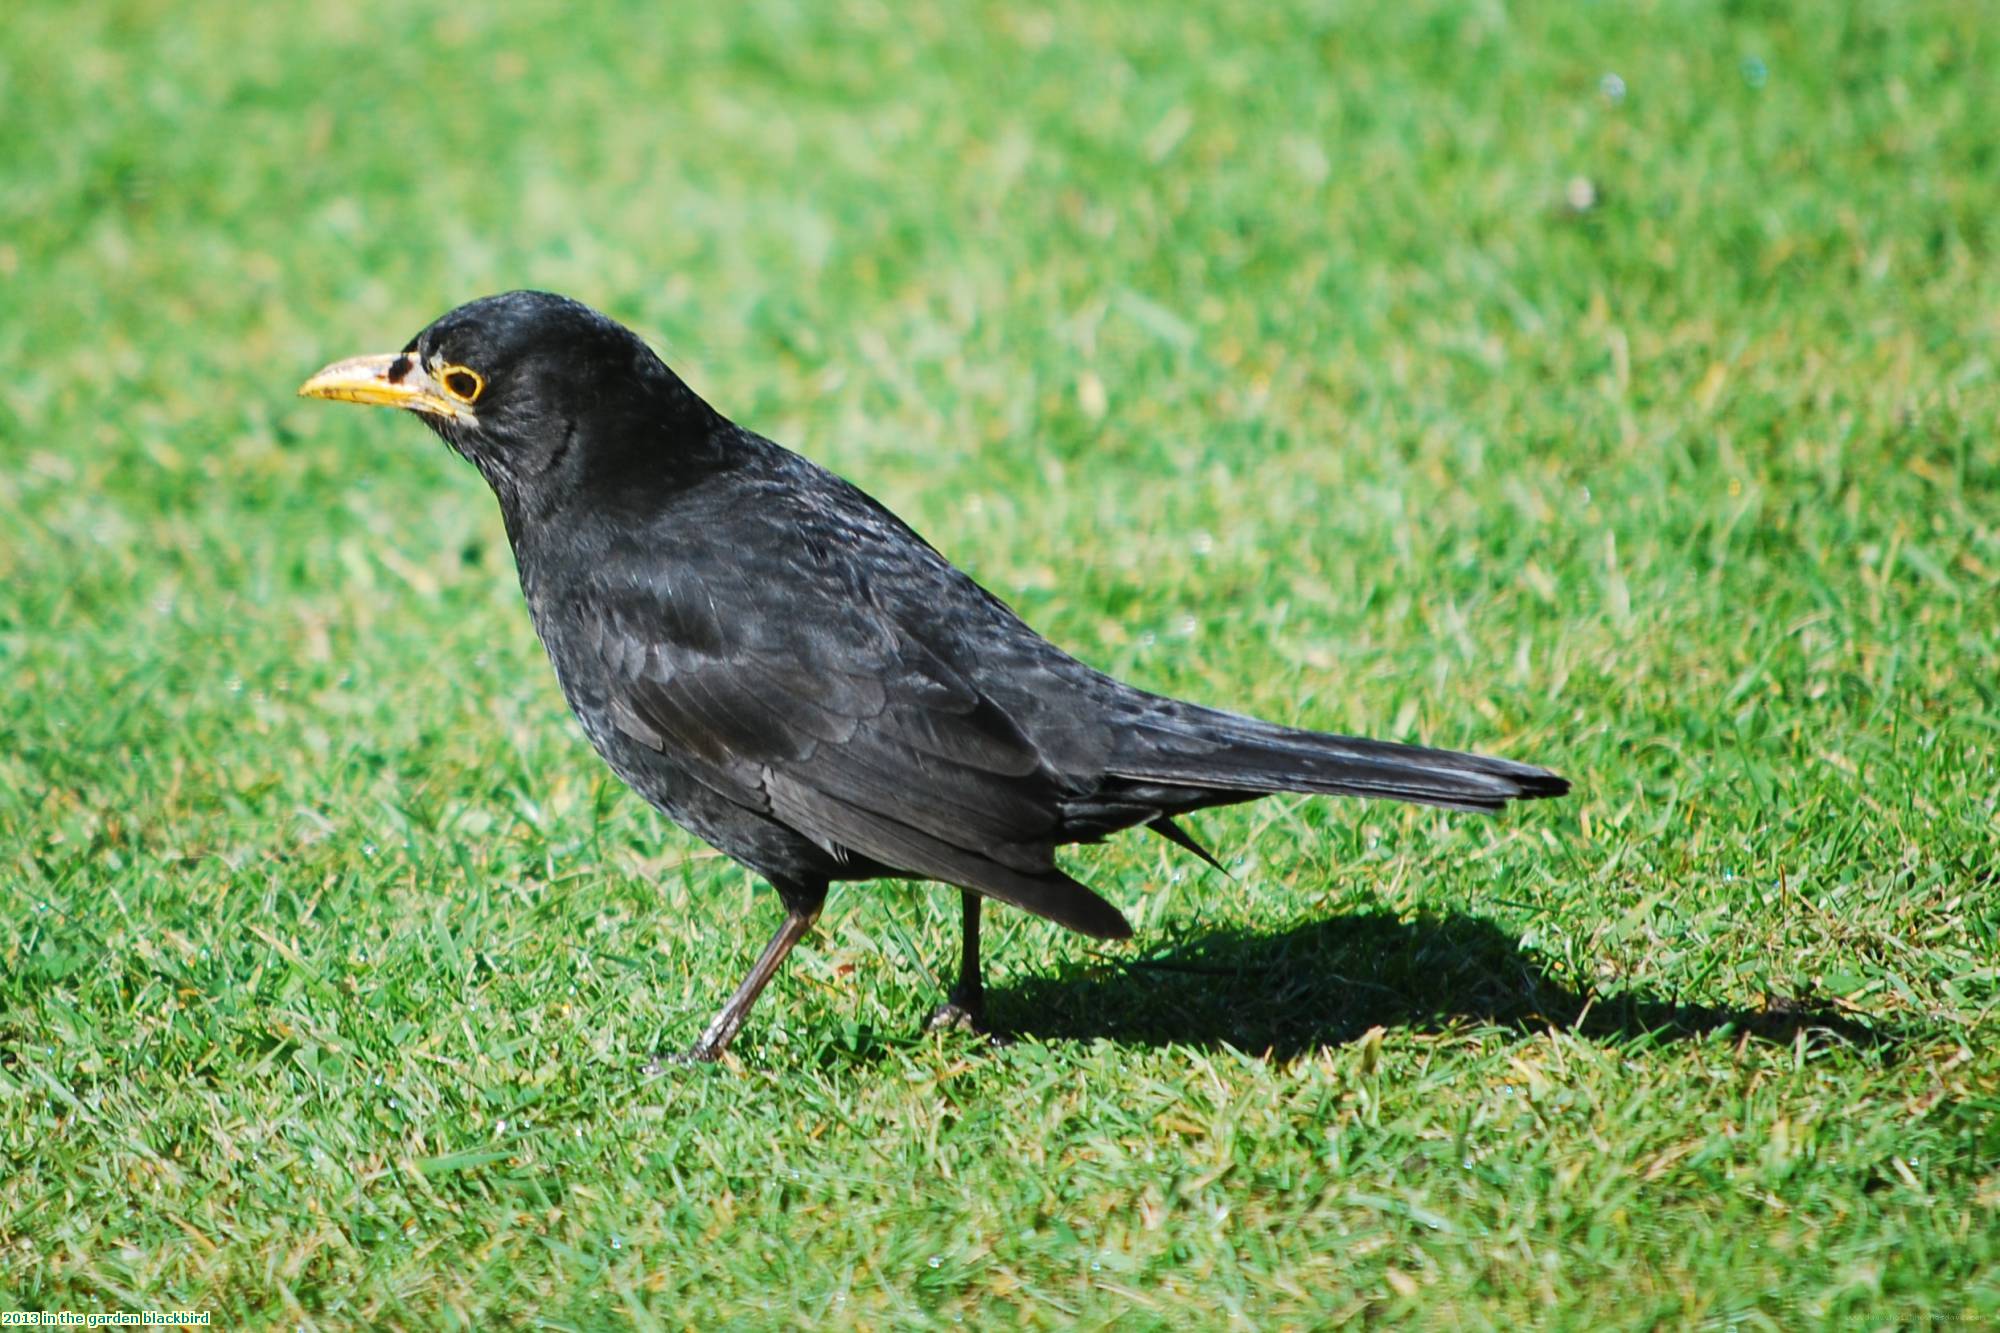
pixel 529 386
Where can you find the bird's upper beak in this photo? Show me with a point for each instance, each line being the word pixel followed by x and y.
pixel 394 379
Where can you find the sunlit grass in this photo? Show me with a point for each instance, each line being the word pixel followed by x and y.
pixel 1260 355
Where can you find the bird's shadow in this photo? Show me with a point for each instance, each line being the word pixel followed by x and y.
pixel 1327 982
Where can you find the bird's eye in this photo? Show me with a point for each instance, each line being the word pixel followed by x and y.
pixel 461 383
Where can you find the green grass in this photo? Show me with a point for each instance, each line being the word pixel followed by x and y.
pixel 1254 354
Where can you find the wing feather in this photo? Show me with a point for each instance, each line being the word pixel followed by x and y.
pixel 846 727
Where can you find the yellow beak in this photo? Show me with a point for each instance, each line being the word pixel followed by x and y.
pixel 394 379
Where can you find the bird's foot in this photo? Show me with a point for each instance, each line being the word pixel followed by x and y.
pixel 951 1015
pixel 962 1013
pixel 698 1054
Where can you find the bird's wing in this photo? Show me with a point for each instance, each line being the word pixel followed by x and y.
pixel 778 680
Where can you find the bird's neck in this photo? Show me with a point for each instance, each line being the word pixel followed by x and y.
pixel 633 470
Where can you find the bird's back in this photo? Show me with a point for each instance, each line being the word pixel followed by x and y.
pixel 776 660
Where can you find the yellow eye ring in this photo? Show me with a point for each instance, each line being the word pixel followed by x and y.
pixel 461 382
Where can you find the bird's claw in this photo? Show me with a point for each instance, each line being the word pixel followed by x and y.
pixel 959 1015
pixel 697 1054
pixel 951 1015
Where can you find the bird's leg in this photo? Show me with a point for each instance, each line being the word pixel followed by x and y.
pixel 965 1007
pixel 799 918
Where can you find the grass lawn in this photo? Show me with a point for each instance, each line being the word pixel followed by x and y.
pixel 1608 386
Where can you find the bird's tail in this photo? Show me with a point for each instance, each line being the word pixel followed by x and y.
pixel 1183 745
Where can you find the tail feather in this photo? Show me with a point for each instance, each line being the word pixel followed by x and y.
pixel 1052 894
pixel 1180 837
pixel 1185 745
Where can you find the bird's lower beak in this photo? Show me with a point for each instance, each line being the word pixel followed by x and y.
pixel 394 379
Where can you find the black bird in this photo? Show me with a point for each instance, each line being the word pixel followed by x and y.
pixel 780 665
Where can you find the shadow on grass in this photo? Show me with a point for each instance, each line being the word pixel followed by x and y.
pixel 1325 983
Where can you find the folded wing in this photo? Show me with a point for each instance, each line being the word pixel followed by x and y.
pixel 800 698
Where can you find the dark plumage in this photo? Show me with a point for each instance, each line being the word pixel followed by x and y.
pixel 782 666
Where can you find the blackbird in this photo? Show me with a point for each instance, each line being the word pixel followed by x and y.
pixel 785 668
